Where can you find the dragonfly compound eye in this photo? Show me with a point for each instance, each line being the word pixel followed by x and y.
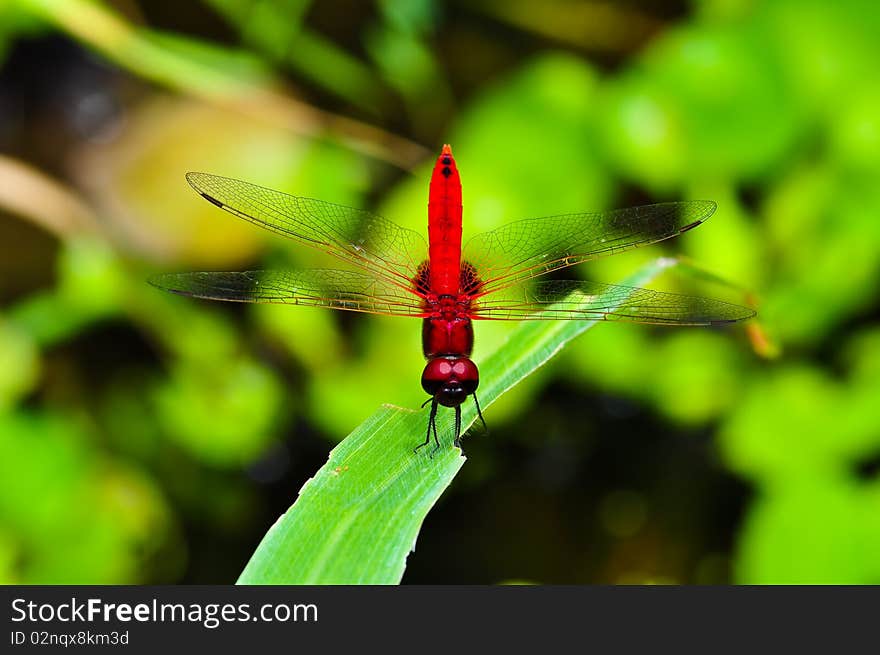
pixel 450 379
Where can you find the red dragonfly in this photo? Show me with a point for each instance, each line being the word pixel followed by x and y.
pixel 493 277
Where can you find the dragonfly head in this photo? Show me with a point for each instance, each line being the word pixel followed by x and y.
pixel 450 379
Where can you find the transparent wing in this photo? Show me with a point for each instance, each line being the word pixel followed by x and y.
pixel 535 246
pixel 348 290
pixel 578 300
pixel 354 235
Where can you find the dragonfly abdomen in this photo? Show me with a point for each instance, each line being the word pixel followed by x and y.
pixel 444 225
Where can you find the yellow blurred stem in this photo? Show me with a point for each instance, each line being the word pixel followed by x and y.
pixel 762 343
pixel 30 194
pixel 130 47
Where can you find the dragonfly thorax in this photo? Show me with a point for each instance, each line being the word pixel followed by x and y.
pixel 445 335
pixel 450 379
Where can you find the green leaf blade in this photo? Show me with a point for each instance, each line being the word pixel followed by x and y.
pixel 356 520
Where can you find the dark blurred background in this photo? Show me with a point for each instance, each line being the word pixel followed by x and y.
pixel 146 438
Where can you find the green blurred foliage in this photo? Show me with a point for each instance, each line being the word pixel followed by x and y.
pixel 771 108
pixel 70 514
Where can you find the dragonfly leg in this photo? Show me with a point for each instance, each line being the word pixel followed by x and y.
pixel 434 427
pixel 479 413
pixel 457 442
pixel 432 423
